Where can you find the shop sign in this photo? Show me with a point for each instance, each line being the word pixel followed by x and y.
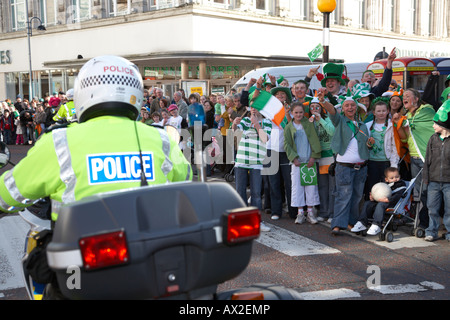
pixel 213 71
pixel 5 57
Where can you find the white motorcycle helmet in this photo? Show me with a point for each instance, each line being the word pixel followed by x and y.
pixel 69 94
pixel 108 85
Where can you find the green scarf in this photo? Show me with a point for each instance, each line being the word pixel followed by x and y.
pixel 421 127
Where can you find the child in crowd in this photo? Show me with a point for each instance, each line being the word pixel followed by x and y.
pixel 250 155
pixel 156 117
pixel 382 150
pixel 302 146
pixel 436 173
pixel 378 208
pixel 19 131
pixel 326 182
pixel 176 120
pixel 165 116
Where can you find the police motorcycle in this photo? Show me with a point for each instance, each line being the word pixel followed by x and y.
pixel 173 241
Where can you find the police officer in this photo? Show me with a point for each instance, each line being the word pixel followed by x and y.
pixel 66 112
pixel 106 150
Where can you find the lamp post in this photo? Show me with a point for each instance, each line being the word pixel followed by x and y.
pixel 29 34
pixel 326 7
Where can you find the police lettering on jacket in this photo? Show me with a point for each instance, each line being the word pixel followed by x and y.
pixel 119 167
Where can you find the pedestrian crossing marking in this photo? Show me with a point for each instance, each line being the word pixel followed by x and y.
pixel 292 244
pixel 408 288
pixel 333 294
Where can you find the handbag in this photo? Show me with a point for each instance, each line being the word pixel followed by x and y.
pixel 36 263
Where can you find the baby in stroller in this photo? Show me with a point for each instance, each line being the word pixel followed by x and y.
pixel 377 209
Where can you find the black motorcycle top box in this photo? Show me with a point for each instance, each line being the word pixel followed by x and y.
pixel 174 239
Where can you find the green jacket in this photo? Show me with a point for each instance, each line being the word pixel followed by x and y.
pixel 100 155
pixel 289 143
pixel 344 134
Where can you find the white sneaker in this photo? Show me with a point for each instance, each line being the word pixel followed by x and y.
pixel 300 218
pixel 358 227
pixel 275 217
pixel 329 220
pixel 429 238
pixel 263 227
pixel 320 219
pixel 311 218
pixel 374 230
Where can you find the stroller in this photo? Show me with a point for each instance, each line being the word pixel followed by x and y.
pixel 405 212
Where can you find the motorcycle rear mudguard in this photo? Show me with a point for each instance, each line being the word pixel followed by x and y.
pixel 269 291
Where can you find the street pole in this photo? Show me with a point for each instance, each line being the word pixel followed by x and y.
pixel 326 7
pixel 326 36
pixel 30 76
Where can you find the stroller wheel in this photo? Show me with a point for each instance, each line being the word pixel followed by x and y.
pixel 229 178
pixel 420 233
pixel 389 237
pixel 382 236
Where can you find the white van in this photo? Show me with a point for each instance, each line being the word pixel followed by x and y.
pixel 295 73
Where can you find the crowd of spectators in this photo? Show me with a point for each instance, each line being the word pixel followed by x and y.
pixel 391 128
pixel 23 121
pixel 349 130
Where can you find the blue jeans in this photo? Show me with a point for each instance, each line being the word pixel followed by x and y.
pixel 438 192
pixel 242 176
pixel 373 209
pixel 416 165
pixel 327 187
pixel 283 172
pixel 349 191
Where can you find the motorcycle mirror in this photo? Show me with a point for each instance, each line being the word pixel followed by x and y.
pixel 172 132
pixel 5 155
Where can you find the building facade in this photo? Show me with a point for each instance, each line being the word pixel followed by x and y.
pixel 208 42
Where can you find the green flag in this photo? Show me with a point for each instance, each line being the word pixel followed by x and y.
pixel 316 52
pixel 308 176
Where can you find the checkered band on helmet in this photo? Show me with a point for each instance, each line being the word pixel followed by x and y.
pixel 103 79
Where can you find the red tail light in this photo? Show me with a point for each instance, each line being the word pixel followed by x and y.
pixel 242 225
pixel 104 250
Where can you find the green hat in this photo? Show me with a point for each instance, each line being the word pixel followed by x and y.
pixel 350 97
pixel 280 79
pixel 285 90
pixel 447 81
pixel 266 80
pixel 362 90
pixel 445 94
pixel 442 116
pixel 333 71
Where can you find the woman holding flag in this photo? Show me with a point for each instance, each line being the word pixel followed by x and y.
pixel 274 106
pixel 350 144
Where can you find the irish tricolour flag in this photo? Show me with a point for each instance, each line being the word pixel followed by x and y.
pixel 270 107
